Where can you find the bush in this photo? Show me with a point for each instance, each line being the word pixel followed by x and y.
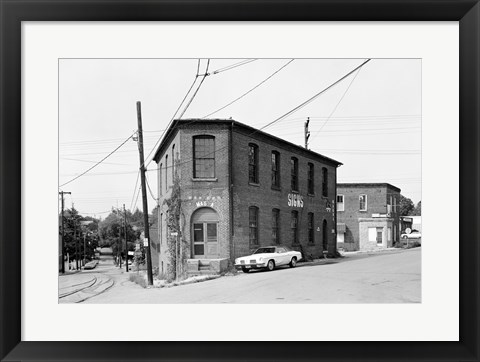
pixel 408 244
pixel 138 279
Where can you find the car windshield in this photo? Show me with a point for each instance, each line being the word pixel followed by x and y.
pixel 264 250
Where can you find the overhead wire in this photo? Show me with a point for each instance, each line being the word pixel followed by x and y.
pixel 338 103
pixel 196 91
pixel 135 189
pixel 243 62
pixel 174 115
pixel 315 96
pixel 150 190
pixel 249 91
pixel 99 162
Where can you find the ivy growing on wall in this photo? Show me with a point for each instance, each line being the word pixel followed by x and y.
pixel 175 243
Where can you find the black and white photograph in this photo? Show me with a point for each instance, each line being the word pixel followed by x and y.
pixel 240 180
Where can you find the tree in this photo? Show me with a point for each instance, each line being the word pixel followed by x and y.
pixel 406 206
pixel 79 231
pixel 111 231
pixel 418 209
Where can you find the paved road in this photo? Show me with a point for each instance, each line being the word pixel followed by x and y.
pixel 360 278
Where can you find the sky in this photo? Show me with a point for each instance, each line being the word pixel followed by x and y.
pixel 370 121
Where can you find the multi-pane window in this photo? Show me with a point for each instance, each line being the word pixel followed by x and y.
pixel 276 226
pixel 160 221
pixel 294 227
pixel 204 157
pixel 253 224
pixel 311 233
pixel 275 169
pixel 363 202
pixel 173 164
pixel 294 173
pixel 160 178
pixel 324 182
pixel 324 235
pixel 166 173
pixel 340 203
pixel 253 163
pixel 310 179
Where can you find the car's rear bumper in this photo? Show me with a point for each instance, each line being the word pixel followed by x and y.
pixel 251 266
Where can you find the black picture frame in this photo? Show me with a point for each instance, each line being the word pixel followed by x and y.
pixel 13 12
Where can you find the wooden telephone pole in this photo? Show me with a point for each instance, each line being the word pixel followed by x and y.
pixel 63 233
pixel 125 232
pixel 307 132
pixel 144 193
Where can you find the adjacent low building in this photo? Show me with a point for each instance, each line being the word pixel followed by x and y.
pixel 367 216
pixel 242 188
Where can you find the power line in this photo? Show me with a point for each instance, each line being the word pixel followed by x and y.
pixel 99 162
pixel 196 91
pixel 150 190
pixel 338 103
pixel 243 62
pixel 136 200
pixel 249 91
pixel 173 117
pixel 89 161
pixel 135 189
pixel 315 96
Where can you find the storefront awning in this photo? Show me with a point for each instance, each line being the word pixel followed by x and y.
pixel 341 228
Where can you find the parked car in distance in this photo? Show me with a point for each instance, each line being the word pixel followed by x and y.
pixel 91 265
pixel 415 234
pixel 268 257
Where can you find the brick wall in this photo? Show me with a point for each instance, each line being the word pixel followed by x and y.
pixel 378 196
pixel 365 224
pixel 263 196
pixel 196 194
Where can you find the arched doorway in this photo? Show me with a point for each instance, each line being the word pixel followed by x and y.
pixel 324 235
pixel 204 227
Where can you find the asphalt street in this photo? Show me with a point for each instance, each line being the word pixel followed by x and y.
pixel 383 277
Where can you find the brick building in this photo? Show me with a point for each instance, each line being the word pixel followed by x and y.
pixel 367 215
pixel 242 188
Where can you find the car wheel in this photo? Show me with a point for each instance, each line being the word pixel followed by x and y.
pixel 271 265
pixel 245 270
pixel 293 262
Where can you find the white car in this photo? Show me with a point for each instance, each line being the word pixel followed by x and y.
pixel 268 257
pixel 415 234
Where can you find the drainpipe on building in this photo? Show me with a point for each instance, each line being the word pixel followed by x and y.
pixel 230 193
pixel 334 206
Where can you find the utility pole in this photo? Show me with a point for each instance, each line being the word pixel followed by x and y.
pixel 63 232
pixel 144 193
pixel 77 248
pixel 307 132
pixel 125 232
pixel 85 248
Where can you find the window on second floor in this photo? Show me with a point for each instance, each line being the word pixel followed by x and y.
pixel 203 157
pixel 253 163
pixel 324 182
pixel 294 173
pixel 166 173
pixel 160 178
pixel 173 164
pixel 310 179
pixel 275 169
pixel 340 203
pixel 363 202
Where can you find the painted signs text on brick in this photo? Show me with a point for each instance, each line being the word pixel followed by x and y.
pixel 295 200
